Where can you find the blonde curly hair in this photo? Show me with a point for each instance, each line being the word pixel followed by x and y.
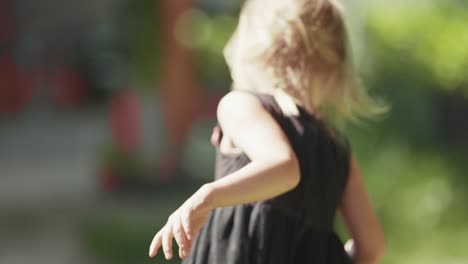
pixel 299 47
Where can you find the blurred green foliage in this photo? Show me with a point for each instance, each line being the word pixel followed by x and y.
pixel 417 55
pixel 139 24
pixel 417 58
pixel 431 37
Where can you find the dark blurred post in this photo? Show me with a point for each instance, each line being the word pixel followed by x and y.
pixel 179 88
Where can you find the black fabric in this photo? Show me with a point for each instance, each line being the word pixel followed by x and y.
pixel 296 227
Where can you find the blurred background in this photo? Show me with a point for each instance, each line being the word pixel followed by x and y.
pixel 107 107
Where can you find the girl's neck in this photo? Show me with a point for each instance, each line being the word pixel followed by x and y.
pixel 290 104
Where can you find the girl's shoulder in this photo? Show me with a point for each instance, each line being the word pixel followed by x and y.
pixel 238 105
pixel 237 102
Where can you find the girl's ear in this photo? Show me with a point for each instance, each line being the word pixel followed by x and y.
pixel 216 136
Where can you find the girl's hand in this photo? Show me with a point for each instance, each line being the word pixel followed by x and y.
pixel 183 225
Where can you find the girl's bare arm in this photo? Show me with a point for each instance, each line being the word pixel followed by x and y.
pixel 368 243
pixel 274 168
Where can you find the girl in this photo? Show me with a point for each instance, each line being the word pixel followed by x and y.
pixel 282 171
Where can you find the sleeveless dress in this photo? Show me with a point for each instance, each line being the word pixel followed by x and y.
pixel 295 227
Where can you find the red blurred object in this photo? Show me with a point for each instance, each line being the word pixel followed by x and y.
pixel 207 108
pixel 109 182
pixel 15 88
pixel 68 87
pixel 12 97
pixel 166 167
pixel 125 120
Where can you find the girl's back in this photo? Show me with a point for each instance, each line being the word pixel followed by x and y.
pixel 295 227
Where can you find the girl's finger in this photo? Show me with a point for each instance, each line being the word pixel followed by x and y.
pixel 180 236
pixel 188 249
pixel 186 253
pixel 185 219
pixel 155 245
pixel 167 237
pixel 180 253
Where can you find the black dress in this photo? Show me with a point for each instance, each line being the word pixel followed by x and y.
pixel 295 227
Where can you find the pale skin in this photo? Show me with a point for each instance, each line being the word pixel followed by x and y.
pixel 368 243
pixel 271 172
